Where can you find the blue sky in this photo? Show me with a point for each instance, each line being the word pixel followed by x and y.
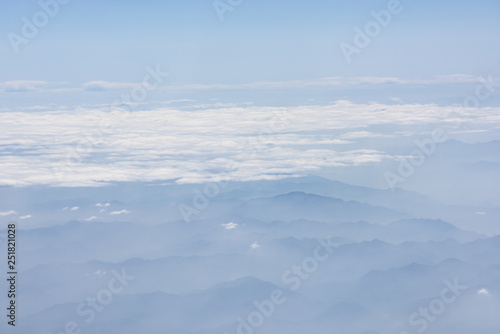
pixel 258 41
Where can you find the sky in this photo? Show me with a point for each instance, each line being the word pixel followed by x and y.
pixel 257 41
pixel 215 73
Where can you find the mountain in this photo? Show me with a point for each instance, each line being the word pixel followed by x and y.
pixel 217 307
pixel 300 205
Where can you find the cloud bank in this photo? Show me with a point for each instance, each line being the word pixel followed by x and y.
pixel 90 147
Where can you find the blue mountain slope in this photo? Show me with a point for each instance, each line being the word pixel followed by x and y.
pixel 300 205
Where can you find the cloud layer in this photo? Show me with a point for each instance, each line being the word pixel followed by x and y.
pixel 338 81
pixel 89 147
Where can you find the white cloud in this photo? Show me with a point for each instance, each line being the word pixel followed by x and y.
pixel 103 205
pixel 94 147
pixel 119 212
pixel 230 226
pixel 106 85
pixel 8 213
pixel 25 217
pixel 254 245
pixel 480 213
pixel 100 273
pixel 483 292
pixel 22 85
pixel 364 134
pixel 75 208
pixel 90 218
pixel 338 81
pixel 453 78
pixel 334 82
